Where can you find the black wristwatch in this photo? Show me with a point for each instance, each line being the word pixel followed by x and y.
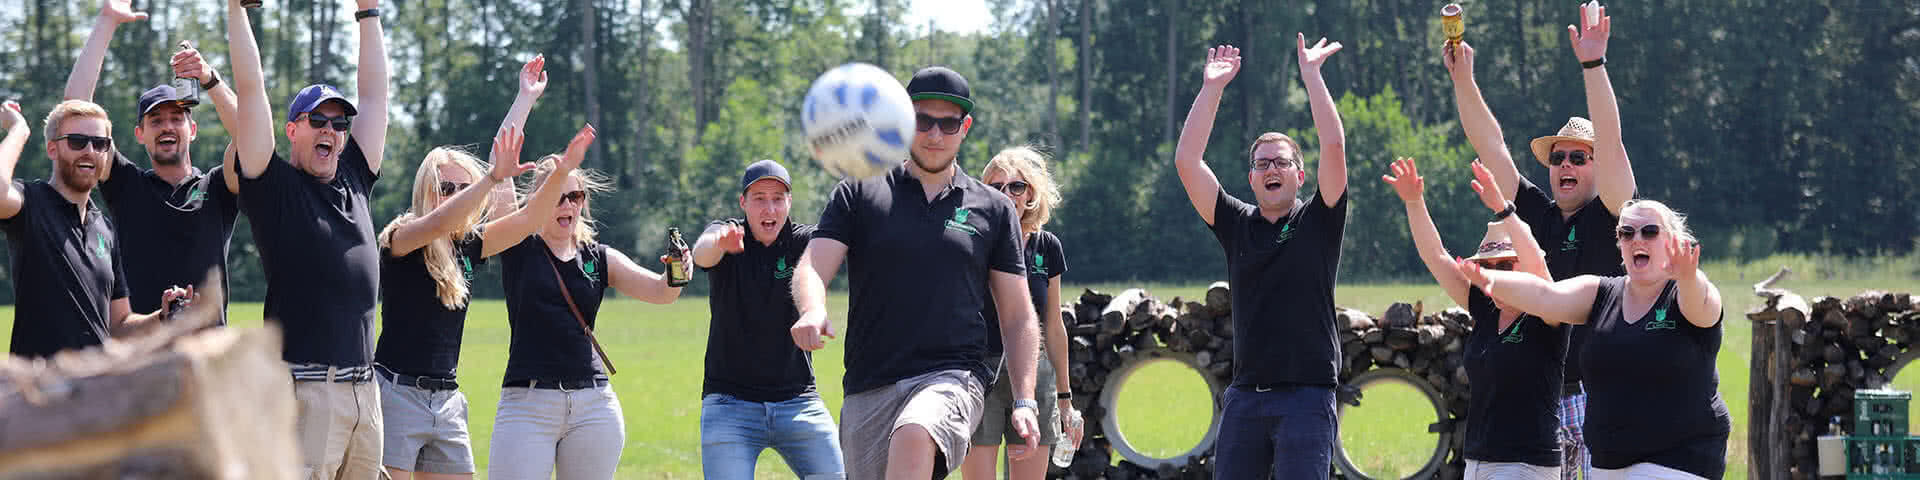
pixel 366 14
pixel 1595 63
pixel 1503 214
pixel 1063 396
pixel 211 83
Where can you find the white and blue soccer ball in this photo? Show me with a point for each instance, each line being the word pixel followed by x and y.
pixel 858 120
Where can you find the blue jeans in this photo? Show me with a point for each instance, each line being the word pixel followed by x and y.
pixel 734 431
pixel 1286 432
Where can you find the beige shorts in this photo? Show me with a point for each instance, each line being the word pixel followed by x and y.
pixel 946 403
pixel 339 430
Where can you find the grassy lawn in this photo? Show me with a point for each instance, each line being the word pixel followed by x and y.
pixel 660 350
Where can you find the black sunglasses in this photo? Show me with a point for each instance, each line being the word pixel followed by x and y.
pixel 1506 265
pixel 1015 188
pixel 340 123
pixel 1647 232
pixel 1578 158
pixel 948 125
pixel 1266 163
pixel 576 196
pixel 448 188
pixel 79 141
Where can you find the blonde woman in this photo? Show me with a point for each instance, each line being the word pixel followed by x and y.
pixel 1021 173
pixel 1654 408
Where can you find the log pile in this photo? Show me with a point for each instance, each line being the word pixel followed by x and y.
pixel 1808 359
pixel 1111 331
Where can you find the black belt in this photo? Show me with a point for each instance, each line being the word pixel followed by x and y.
pixel 581 384
pixel 423 383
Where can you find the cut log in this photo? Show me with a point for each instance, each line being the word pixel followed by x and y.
pixel 1220 299
pixel 1113 318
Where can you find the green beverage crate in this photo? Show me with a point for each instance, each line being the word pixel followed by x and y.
pixel 1876 455
pixel 1880 413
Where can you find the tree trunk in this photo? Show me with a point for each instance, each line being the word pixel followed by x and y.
pixel 643 98
pixel 1172 104
pixel 590 62
pixel 698 65
pixel 1053 80
pixel 1086 71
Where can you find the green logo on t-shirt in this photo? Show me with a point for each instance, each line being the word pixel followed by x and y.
pixel 1039 264
pixel 466 268
pixel 198 193
pixel 1660 321
pixel 1571 244
pixel 780 268
pixel 100 247
pixel 1286 233
pixel 959 222
pixel 593 274
pixel 1513 334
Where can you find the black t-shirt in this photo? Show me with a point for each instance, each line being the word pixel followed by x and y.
pixel 750 351
pixel 176 233
pixel 419 335
pixel 1514 412
pixel 1283 274
pixel 322 265
pixel 1582 244
pixel 548 343
pixel 1046 260
pixel 918 273
pixel 1654 395
pixel 66 272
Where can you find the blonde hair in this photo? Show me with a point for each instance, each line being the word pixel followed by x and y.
pixel 1031 165
pixel 74 108
pixel 1671 221
pixel 591 181
pixel 448 280
pixel 1298 159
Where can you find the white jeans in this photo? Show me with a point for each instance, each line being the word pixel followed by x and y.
pixel 537 433
pixel 1643 471
pixel 1478 470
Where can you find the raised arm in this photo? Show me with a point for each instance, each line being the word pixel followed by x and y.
pixel 811 275
pixel 533 84
pixel 1533 259
pixel 510 230
pixel 1326 120
pixel 86 69
pixel 1613 172
pixel 10 147
pixel 370 128
pixel 1483 131
pixel 720 240
pixel 638 282
pixel 1411 187
pixel 1699 299
pixel 253 129
pixel 226 104
pixel 405 237
pixel 1203 188
pixel 1566 301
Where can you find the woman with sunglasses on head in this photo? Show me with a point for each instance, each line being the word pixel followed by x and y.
pixel 1654 408
pixel 558 416
pixel 1021 173
pixel 427 259
pixel 1513 358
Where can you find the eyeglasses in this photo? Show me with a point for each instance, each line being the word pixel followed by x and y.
pixel 578 197
pixel 1260 164
pixel 79 141
pixel 1579 158
pixel 448 188
pixel 340 123
pixel 1015 188
pixel 948 125
pixel 1506 264
pixel 1647 232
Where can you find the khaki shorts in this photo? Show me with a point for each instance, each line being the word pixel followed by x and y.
pixel 339 430
pixel 996 423
pixel 946 403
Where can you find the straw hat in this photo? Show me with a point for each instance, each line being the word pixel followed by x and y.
pixel 1497 244
pixel 1577 130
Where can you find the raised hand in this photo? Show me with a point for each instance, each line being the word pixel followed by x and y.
pixel 1311 58
pixel 506 155
pixel 188 63
pixel 1489 190
pixel 733 240
pixel 1471 270
pixel 1458 59
pixel 533 76
pixel 10 116
pixel 1589 38
pixel 577 148
pixel 120 11
pixel 366 4
pixel 1406 180
pixel 1683 257
pixel 1223 63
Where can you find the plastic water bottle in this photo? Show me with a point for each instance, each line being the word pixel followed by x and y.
pixel 1063 452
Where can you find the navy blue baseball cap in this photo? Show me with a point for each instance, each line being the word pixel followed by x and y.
pixel 162 95
pixel 311 97
pixel 763 170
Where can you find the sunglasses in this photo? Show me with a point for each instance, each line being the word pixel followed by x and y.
pixel 1015 188
pixel 948 125
pixel 1647 232
pixel 340 123
pixel 576 196
pixel 1506 265
pixel 1578 158
pixel 448 188
pixel 79 141
pixel 1260 164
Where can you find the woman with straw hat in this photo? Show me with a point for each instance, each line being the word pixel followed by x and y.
pixel 1513 359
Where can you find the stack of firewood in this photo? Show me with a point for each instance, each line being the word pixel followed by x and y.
pixel 1808 359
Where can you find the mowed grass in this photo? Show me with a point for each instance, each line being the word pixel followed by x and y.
pixel 660 350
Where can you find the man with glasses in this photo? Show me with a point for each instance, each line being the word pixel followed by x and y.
pixel 311 220
pixel 929 247
pixel 68 288
pixel 1283 256
pixel 1586 161
pixel 179 218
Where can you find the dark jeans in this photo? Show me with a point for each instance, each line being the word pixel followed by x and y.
pixel 1286 431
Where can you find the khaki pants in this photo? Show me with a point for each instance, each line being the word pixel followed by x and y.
pixel 339 430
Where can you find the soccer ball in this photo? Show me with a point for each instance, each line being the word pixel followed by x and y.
pixel 858 120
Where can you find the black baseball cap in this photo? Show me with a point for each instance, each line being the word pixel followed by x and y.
pixel 162 95
pixel 762 170
pixel 941 83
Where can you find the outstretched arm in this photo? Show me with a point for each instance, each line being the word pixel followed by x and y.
pixel 1699 299
pixel 1411 187
pixel 370 129
pixel 810 278
pixel 510 230
pixel 1613 172
pixel 460 209
pixel 1483 131
pixel 1326 121
pixel 720 240
pixel 638 282
pixel 1566 301
pixel 1223 62
pixel 10 147
pixel 86 69
pixel 253 130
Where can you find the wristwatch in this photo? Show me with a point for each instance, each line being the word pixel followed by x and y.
pixel 1019 404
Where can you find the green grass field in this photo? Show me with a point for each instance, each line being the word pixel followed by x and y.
pixel 660 351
